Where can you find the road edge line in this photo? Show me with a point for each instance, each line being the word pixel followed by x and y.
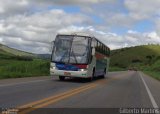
pixel 154 104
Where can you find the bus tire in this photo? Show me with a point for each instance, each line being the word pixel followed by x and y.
pixel 61 78
pixel 93 73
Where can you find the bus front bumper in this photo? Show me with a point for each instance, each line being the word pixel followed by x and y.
pixel 81 74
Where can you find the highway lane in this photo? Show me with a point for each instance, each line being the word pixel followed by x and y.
pixel 126 91
pixel 118 89
pixel 14 92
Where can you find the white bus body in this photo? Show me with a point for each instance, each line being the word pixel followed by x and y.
pixel 80 56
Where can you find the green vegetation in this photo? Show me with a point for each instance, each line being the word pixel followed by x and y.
pixel 155 75
pixel 17 68
pixel 145 58
pixel 14 66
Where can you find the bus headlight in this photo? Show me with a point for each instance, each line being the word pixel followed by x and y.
pixel 53 67
pixel 82 69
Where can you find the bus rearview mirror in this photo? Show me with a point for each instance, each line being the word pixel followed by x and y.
pixel 52 45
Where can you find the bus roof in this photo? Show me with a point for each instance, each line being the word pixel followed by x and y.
pixel 77 34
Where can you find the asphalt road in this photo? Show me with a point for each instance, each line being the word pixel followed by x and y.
pixel 130 89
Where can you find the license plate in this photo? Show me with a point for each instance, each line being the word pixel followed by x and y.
pixel 67 73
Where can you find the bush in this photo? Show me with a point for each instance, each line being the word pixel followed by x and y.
pixel 16 68
pixel 136 61
pixel 149 57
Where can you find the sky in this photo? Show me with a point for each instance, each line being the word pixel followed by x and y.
pixel 31 25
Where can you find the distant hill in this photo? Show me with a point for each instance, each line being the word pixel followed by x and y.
pixel 8 51
pixel 12 51
pixel 138 56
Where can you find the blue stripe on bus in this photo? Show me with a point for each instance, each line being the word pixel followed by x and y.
pixel 68 67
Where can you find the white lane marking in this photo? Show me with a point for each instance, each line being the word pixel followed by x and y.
pixel 149 93
pixel 23 83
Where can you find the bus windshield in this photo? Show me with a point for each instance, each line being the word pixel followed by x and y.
pixel 71 49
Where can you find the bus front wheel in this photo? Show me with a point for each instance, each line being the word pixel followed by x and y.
pixel 62 78
pixel 92 77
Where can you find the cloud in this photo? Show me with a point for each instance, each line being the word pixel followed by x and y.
pixel 120 20
pixel 126 13
pixel 11 7
pixel 70 2
pixel 157 23
pixel 26 33
pixel 134 38
pixel 31 25
pixel 19 43
pixel 143 9
pixel 1 40
pixel 38 29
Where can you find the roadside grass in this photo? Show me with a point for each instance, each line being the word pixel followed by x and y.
pixel 154 74
pixel 23 68
pixel 153 70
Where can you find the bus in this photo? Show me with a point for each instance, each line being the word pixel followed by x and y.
pixel 79 55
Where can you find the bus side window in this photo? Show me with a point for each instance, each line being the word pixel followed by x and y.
pixel 108 52
pixel 105 51
pixel 102 48
pixel 96 45
pixel 99 47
